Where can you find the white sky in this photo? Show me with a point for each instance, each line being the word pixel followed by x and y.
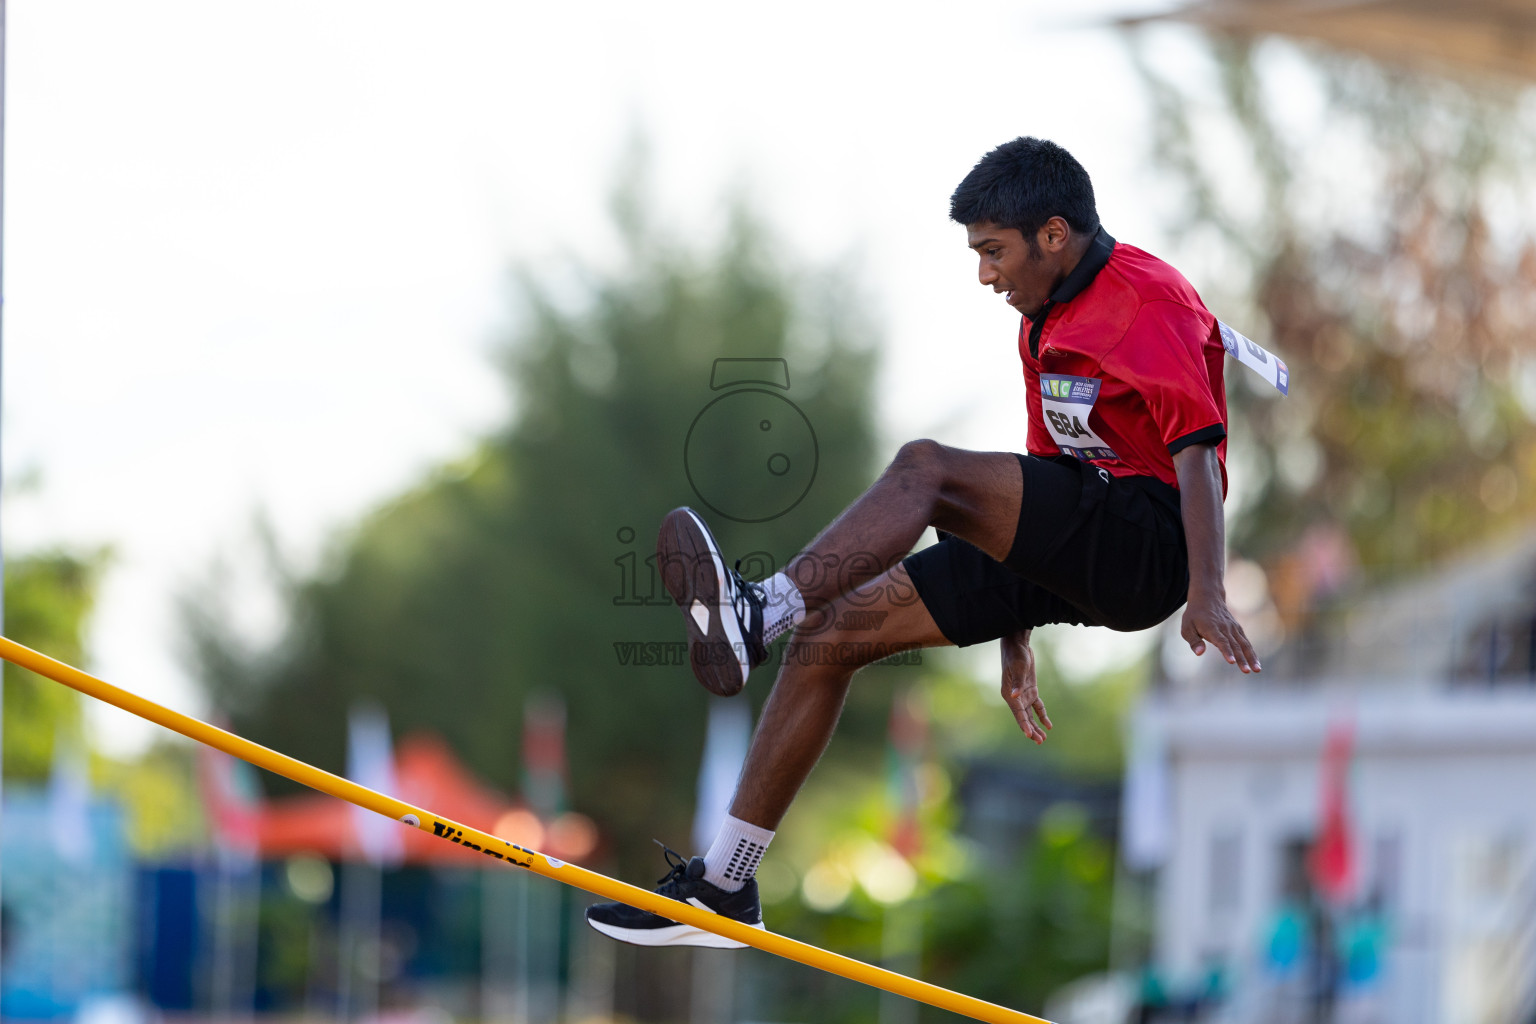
pixel 256 254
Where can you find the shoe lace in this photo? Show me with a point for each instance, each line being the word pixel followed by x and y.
pixel 747 601
pixel 678 864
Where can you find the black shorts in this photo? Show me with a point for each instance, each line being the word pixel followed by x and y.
pixel 1091 549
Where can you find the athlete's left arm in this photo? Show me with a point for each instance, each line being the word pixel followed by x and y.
pixel 1206 616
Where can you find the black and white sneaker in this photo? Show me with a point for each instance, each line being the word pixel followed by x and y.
pixel 684 883
pixel 723 612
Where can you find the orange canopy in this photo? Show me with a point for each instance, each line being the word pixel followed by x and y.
pixel 428 775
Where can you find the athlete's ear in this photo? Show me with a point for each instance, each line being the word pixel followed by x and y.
pixel 1054 234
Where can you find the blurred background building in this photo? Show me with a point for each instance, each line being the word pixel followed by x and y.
pixel 1348 840
pixel 1352 839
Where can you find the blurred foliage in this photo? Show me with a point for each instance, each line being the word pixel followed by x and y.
pixel 1038 914
pixel 159 793
pixel 521 569
pixel 49 597
pixel 1017 925
pixel 1015 936
pixel 1374 235
pixel 969 718
pixel 296 945
pixel 1011 932
pixel 48 600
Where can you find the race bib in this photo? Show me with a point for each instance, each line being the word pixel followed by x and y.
pixel 1066 402
pixel 1265 364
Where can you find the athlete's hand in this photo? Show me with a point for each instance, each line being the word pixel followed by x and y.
pixel 1021 692
pixel 1209 619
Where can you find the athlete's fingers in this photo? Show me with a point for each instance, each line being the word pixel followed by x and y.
pixel 1020 700
pixel 1030 702
pixel 1253 655
pixel 1234 643
pixel 1191 634
pixel 1229 637
pixel 1026 725
pixel 1247 656
pixel 1225 645
pixel 1044 719
pixel 1021 708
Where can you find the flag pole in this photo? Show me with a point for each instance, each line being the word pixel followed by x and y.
pixel 507 852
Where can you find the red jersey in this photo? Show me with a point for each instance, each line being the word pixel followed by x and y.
pixel 1124 366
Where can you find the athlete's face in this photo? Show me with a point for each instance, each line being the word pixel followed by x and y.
pixel 1026 274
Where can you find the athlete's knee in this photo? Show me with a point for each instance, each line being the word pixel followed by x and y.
pixel 922 454
pixel 920 463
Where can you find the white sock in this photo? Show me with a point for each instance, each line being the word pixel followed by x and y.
pixel 738 849
pixel 783 607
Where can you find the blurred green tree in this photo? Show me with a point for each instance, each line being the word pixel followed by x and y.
pixel 830 879
pixel 523 568
pixel 48 601
pixel 1047 922
pixel 49 597
pixel 159 791
pixel 1367 223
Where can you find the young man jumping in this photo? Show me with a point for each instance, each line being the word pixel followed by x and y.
pixel 1113 518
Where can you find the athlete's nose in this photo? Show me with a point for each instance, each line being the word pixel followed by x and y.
pixel 987 273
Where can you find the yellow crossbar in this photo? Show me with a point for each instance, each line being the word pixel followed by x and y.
pixel 501 850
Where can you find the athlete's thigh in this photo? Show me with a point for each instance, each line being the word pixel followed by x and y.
pixel 980 499
pixel 972 598
pixel 881 617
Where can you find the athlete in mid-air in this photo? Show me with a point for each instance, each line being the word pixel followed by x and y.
pixel 1113 518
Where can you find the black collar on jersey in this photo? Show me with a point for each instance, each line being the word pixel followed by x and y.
pixel 1081 277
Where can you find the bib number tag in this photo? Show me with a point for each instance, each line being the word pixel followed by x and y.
pixel 1066 402
pixel 1265 364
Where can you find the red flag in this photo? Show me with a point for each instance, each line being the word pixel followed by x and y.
pixel 230 800
pixel 909 736
pixel 1332 861
pixel 544 770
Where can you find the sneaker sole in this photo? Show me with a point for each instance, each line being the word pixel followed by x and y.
pixel 674 935
pixel 694 574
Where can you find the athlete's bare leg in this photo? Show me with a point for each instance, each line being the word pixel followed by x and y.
pixel 974 495
pixel 807 698
pixel 794 729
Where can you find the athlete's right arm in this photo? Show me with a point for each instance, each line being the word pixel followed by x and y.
pixel 1021 691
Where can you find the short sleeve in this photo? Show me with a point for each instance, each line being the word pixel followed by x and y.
pixel 1163 358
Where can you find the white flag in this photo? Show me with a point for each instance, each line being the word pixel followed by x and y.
pixel 69 802
pixel 725 748
pixel 1146 809
pixel 371 763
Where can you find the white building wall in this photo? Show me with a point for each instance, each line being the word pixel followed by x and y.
pixel 1446 779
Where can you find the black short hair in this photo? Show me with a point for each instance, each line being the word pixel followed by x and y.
pixel 1024 183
